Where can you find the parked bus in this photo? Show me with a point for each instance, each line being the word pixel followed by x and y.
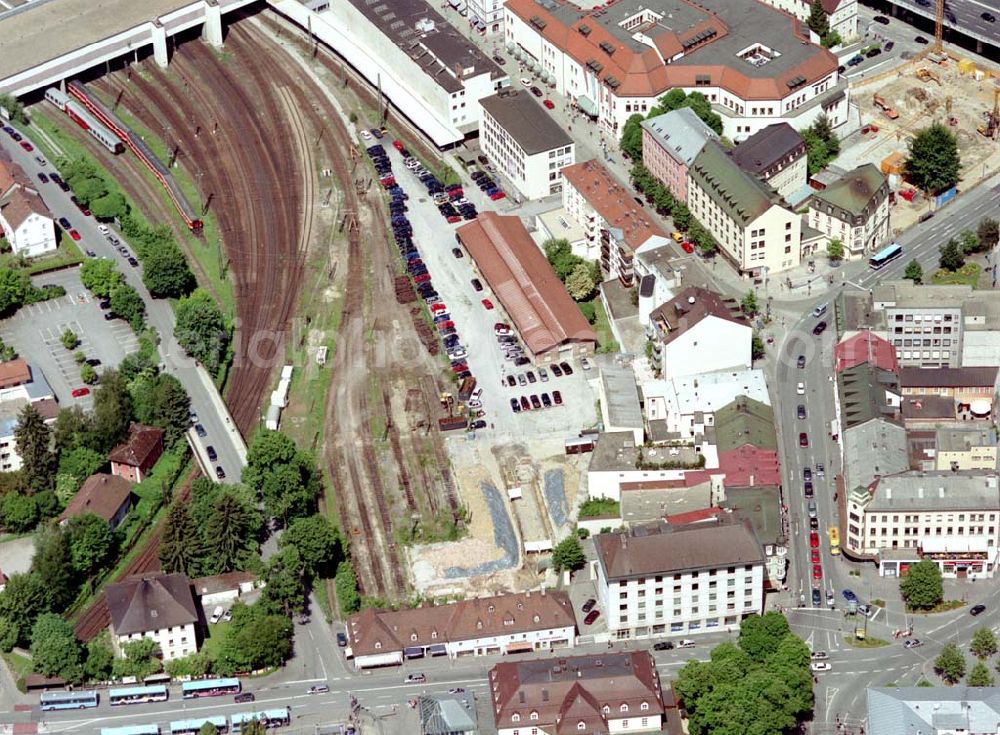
pixel 138 695
pixel 68 700
pixel 210 688
pixel 886 254
pixel 132 730
pixel 269 718
pixel 192 727
pixel 834 540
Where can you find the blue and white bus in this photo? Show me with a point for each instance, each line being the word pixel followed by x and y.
pixel 68 700
pixel 210 688
pixel 138 695
pixel 886 254
pixel 269 718
pixel 193 727
pixel 132 730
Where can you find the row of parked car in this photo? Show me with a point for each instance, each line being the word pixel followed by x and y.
pixel 488 185
pixel 526 403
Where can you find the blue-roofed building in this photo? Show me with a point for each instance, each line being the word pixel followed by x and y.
pixel 933 710
pixel 670 143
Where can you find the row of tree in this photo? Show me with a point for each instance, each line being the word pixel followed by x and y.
pixel 17 290
pixel 657 193
pixel 950 664
pixel 580 276
pixel 102 278
pixel 631 140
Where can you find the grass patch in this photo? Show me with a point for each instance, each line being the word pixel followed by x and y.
pixel 943 606
pixel 323 598
pixel 20 666
pixel 967 275
pixel 600 508
pixel 868 642
pixel 67 254
pixel 214 640
pixel 878 603
pixel 605 337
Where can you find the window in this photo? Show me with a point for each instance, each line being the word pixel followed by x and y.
pixel 515 717
pixel 581 725
pixel 644 706
pixel 624 708
pixel 534 715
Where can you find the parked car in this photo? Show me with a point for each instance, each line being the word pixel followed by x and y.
pixel 244 697
pixel 801 361
pixel 566 368
pixel 80 392
pixel 74 234
pixel 912 643
pixel 588 605
pixel 819 666
pixel 220 473
pixel 591 617
pixel 515 406
pixel 819 328
pixel 872 53
pixel 556 370
pixel 200 431
pixel 685 643
pixel 487 304
pixel 477 285
pixel 819 656
pixel 216 615
pixel 212 454
pixel 457 252
pixel 536 91
pixel 43 178
pixel 849 595
pixel 881 19
pixel 663 646
pixel 557 397
pixel 921 40
pixel 549 104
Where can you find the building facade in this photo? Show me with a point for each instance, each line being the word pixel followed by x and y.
pixel 748 220
pixel 159 607
pixel 842 14
pixel 697 578
pixel 670 143
pixel 964 449
pixel 776 155
pixel 27 223
pixel 924 323
pixel 486 16
pixel 524 143
pixel 854 210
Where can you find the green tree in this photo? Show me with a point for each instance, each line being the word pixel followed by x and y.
pixel 631 141
pixel 69 339
pixel 33 438
pixel 201 329
pixel 832 39
pixel 87 374
pixel 100 276
pixel 289 492
pixel 128 304
pixel 166 274
pixel 112 411
pixel 209 729
pixel 748 304
pixel 921 586
pixel 228 532
pixel 681 216
pixel 984 643
pixel 757 347
pixel 568 554
pixel 92 543
pixel 195 665
pixel 913 271
pixel 934 163
pixel 835 249
pixel 14 289
pixel 580 282
pixel 22 601
pixel 988 232
pixel 100 659
pixel 979 676
pixel 19 512
pixel 284 592
pixel 170 407
pixel 950 663
pixel 951 257
pixel 9 632
pixel 560 256
pixel 180 544
pixel 761 635
pixel 14 108
pixel 589 311
pixel 80 462
pixel 53 564
pixel 55 651
pixel 109 206
pixel 968 241
pixel 88 188
pixel 73 428
pixel 139 659
pixel 346 584
pixel 818 21
pixel 316 540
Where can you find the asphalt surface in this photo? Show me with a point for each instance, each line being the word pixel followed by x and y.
pixel 964 16
pixel 205 399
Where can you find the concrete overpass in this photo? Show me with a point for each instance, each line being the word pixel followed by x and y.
pixel 960 16
pixel 47 41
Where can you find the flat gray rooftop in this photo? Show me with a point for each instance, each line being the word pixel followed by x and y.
pixel 45 30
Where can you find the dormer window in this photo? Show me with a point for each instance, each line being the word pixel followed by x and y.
pixel 534 715
pixel 515 717
pixel 644 706
pixel 434 635
pixel 413 636
pixel 581 725
pixel 624 708
pixel 378 644
pixel 606 710
pixel 537 618
pixel 508 621
pixel 491 608
pixel 479 625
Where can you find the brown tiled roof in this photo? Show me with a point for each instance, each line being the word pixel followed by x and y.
pixel 929 407
pixel 688 308
pixel 373 631
pixel 662 549
pixel 141 441
pixel 14 372
pixel 6 174
pixel 101 495
pixel 20 204
pixel 613 201
pixel 767 147
pixel 962 377
pixel 151 603
pixel 524 282
pixel 47 408
pixel 566 691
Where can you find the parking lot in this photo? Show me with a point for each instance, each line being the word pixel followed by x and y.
pixel 35 333
pixel 452 278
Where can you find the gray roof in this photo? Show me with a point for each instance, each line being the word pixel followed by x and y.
pixel 730 187
pixel 865 393
pixel 944 491
pixel 681 133
pixel 962 439
pixel 856 196
pixel 904 294
pixel 910 710
pixel 622 397
pixel 447 714
pixel 961 377
pixel 151 603
pixel 527 122
pixel 875 448
pixel 767 147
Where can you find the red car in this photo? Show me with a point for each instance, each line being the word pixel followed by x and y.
pixel 460 368
pixel 74 234
pixel 815 556
pixel 487 304
pixel 497 196
pixel 81 392
pixel 422 278
pixel 454 218
pixel 27 146
pixel 446 325
pixel 438 307
pixel 557 397
pixel 814 539
pixel 687 247
pixel 817 571
pixel 591 617
pixel 549 104
pixel 398 145
pixel 803 439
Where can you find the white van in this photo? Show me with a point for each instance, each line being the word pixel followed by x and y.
pixel 820 310
pixel 216 615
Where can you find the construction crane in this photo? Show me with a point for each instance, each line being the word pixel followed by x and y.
pixel 939 27
pixel 990 128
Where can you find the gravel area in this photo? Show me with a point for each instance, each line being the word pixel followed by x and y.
pixel 555 497
pixel 503 535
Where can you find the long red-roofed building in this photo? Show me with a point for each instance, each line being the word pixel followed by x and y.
pixel 865 347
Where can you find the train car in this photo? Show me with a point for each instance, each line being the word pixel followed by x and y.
pixel 78 114
pixel 57 97
pixel 139 148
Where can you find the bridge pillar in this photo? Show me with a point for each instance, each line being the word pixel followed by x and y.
pixel 212 30
pixel 160 52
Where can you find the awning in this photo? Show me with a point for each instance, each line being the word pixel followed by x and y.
pixel 520 648
pixel 587 105
pixel 438 649
pixel 413 652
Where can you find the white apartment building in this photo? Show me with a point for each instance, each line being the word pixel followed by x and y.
pixel 842 14
pixel 524 143
pixel 688 404
pixel 749 221
pixel 661 579
pixel 923 323
pixel 160 607
pixel 854 210
pixel 755 64
pixel 26 222
pixel 486 16
pixel 423 66
pixel 949 517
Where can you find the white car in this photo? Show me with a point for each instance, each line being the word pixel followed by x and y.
pixel 477 394
pixel 800 389
pixel 103 229
pixel 685 643
pixel 365 135
pixel 526 82
pixel 458 354
pixel 820 666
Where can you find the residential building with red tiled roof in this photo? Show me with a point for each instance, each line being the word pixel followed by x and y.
pixel 513 623
pixel 616 224
pixel 522 280
pixel 106 496
pixel 135 457
pixel 25 219
pixel 867 347
pixel 596 693
pixel 755 64
pixel 698 331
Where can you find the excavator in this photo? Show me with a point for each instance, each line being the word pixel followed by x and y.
pixel 991 127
